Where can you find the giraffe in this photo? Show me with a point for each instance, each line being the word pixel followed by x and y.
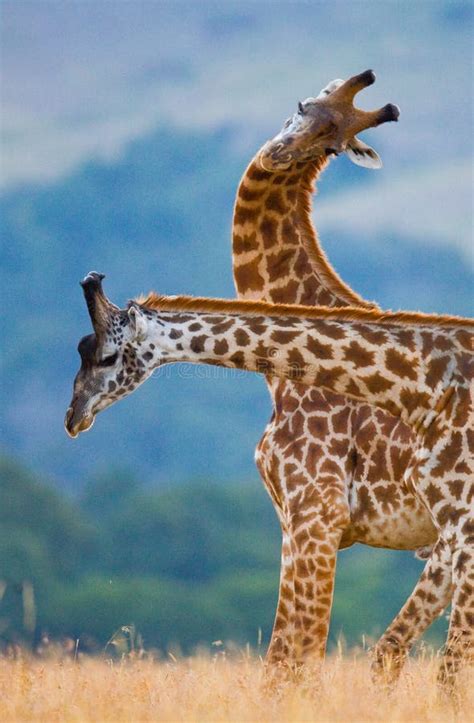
pixel 418 367
pixel 277 257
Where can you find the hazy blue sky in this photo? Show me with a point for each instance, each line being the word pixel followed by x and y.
pixel 83 78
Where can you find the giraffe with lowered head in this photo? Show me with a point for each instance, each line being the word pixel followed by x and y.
pixel 354 456
pixel 417 367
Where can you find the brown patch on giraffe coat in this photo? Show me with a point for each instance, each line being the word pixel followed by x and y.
pixel 456 486
pixel 248 277
pixel 314 401
pixel 295 363
pixel 251 194
pixel 318 427
pixel 388 496
pixel 406 337
pixel 340 421
pixel 289 233
pixel 280 336
pixel 452 514
pixel 222 327
pixel 433 494
pixel 297 424
pixel 313 455
pixel 285 292
pixel 330 467
pixel 221 347
pixel 333 331
pixel 356 353
pixel 244 243
pixel 276 202
pixel 365 507
pixel 378 462
pixel 460 417
pixel 468 529
pixel 242 338
pixel 352 389
pixel 413 402
pixel 466 339
pixel 324 298
pixel 339 447
pixel 195 327
pixel 329 377
pixel 302 266
pixel 279 263
pixel 447 458
pixel 258 174
pixel 269 231
pixel 290 402
pixel 427 346
pixel 373 336
pixel 399 458
pixel 376 383
pixel 400 365
pixel 243 214
pixel 436 369
pixel 238 358
pixel 198 342
pixel 436 576
pixel 310 289
pixel 320 350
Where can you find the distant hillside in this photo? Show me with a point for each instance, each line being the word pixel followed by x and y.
pixel 160 217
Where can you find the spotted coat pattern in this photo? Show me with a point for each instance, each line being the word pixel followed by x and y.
pixel 356 456
pixel 418 367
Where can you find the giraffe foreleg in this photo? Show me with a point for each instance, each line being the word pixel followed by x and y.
pixel 281 651
pixel 429 598
pixel 314 555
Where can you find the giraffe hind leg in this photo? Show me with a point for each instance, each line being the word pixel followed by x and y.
pixel 429 598
pixel 460 644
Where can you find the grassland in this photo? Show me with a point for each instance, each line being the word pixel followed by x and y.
pixel 219 688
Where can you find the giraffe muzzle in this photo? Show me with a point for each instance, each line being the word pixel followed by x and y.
pixel 74 425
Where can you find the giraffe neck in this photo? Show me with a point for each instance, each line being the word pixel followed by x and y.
pixel 275 247
pixel 403 370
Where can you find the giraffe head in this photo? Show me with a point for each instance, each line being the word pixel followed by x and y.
pixel 327 125
pixel 114 360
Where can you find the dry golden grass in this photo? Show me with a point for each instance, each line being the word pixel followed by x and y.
pixel 217 689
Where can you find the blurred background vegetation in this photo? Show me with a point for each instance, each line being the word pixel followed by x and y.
pixel 184 565
pixel 125 130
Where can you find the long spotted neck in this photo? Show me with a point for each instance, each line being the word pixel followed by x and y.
pixel 275 248
pixel 382 363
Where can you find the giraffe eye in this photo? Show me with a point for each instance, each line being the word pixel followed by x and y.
pixel 108 360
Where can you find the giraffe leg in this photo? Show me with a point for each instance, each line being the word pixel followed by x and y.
pixel 281 649
pixel 429 598
pixel 315 569
pixel 460 643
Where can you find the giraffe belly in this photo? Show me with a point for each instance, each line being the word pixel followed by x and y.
pixel 350 455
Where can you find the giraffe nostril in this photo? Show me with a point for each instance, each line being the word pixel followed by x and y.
pixel 331 152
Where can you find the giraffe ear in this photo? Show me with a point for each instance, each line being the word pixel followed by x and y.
pixel 138 323
pixel 363 155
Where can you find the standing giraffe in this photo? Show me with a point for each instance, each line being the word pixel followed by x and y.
pixel 355 456
pixel 417 367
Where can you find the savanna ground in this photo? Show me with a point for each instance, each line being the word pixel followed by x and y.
pixel 219 688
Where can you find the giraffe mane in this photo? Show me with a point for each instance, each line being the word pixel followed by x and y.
pixel 317 256
pixel 263 308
